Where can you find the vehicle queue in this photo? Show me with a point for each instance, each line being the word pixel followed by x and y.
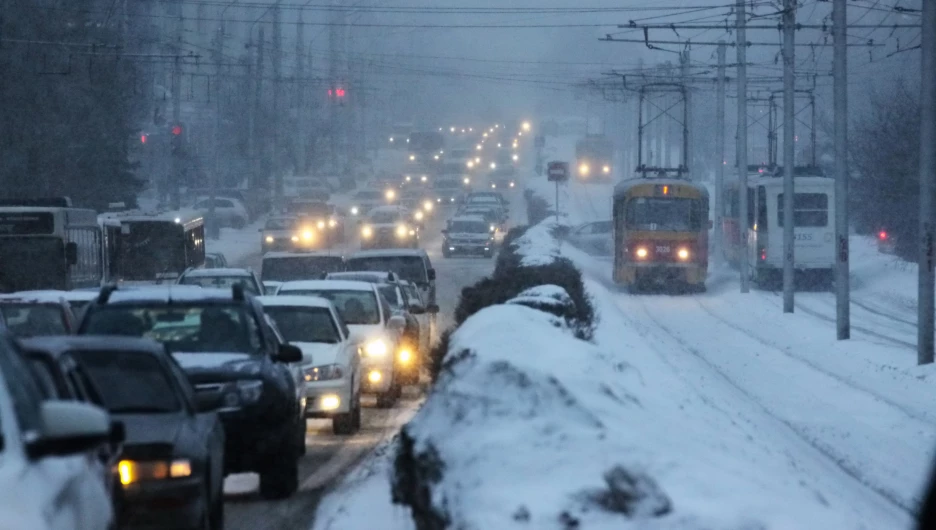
pixel 182 372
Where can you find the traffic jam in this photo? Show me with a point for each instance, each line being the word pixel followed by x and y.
pixel 144 368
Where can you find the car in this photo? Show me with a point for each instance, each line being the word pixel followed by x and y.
pixel 368 317
pixel 389 227
pixel 416 337
pixel 501 182
pixel 468 234
pixel 492 215
pixel 411 264
pixel 363 201
pixel 237 362
pixel 171 468
pixel 331 362
pixel 51 476
pixel 280 232
pixel 223 279
pixel 487 197
pixel 76 299
pixel 292 266
pixel 227 210
pixel 33 315
pixel 215 260
pixel 594 238
pixel 449 191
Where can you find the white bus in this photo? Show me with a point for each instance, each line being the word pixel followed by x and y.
pixel 47 244
pixel 158 246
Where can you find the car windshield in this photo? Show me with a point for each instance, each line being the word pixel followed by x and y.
pixel 33 319
pixel 287 269
pixel 182 327
pixel 304 324
pixel 469 227
pixel 281 223
pixel 410 268
pixel 222 282
pixel 130 382
pixel 385 217
pixel 355 307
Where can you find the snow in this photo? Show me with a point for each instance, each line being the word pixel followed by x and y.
pixel 237 245
pixel 537 246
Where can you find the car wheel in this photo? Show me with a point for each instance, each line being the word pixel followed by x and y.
pixel 280 479
pixel 349 422
pixel 389 398
pixel 216 519
pixel 357 415
pixel 301 437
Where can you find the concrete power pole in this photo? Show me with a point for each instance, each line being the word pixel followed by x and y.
pixel 176 168
pixel 840 72
pixel 720 154
pixel 277 87
pixel 741 33
pixel 925 300
pixel 690 148
pixel 789 149
pixel 257 103
pixel 299 87
pixel 214 230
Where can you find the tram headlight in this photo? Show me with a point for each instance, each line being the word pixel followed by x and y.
pixel 641 252
pixel 683 254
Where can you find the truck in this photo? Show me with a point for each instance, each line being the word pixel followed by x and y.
pixel 594 158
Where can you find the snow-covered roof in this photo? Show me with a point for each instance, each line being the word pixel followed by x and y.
pixel 213 273
pixel 71 296
pixel 294 301
pixel 170 293
pixel 388 209
pixel 364 276
pixel 56 346
pixel 626 185
pixel 40 297
pixel 468 218
pixel 326 285
pixel 309 254
pixel 387 253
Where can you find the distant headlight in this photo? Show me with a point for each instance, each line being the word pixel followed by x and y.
pixel 269 239
pixel 332 223
pixel 419 215
pixel 390 195
pixel 401 231
pixel 355 210
pixel 467 181
pixel 493 228
pixel 515 158
pixel 511 184
pixel 493 165
pixel 376 348
pixel 295 239
pixel 423 178
pixel 326 372
pixel 320 225
pixel 308 235
pixel 428 206
pixel 412 158
pixel 584 170
pixel 408 178
pixel 606 170
pixel 367 232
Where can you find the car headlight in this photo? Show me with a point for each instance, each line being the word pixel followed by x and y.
pixel 511 184
pixel 308 235
pixel 131 471
pixel 427 205
pixel 515 158
pixel 419 215
pixel 423 178
pixel 268 239
pixel 367 232
pixel 401 231
pixel 412 158
pixel 320 225
pixel 466 180
pixel 295 239
pixel 325 372
pixel 493 186
pixel 354 210
pixel 405 355
pixel 408 178
pixel 641 252
pixel 332 223
pixel 493 228
pixel 390 195
pixel 376 348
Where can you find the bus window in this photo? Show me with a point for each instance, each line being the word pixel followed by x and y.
pixel 810 210
pixel 762 208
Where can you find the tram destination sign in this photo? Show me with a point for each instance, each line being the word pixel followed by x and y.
pixel 20 223
pixel 557 171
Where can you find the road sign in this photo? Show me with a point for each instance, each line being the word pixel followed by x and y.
pixel 557 171
pixel 540 141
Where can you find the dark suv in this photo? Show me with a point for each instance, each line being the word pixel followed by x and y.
pixel 236 361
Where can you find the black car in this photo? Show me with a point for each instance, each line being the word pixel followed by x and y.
pixel 237 363
pixel 170 473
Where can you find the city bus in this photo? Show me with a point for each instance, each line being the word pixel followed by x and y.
pixel 813 226
pixel 48 244
pixel 159 246
pixel 660 229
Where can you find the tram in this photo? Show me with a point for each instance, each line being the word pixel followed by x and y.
pixel 660 230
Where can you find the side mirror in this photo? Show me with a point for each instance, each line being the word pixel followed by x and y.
pixel 417 310
pixel 68 428
pixel 432 309
pixel 396 323
pixel 431 274
pixel 71 253
pixel 288 354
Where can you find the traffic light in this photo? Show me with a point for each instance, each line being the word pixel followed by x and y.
pixel 340 92
pixel 178 138
pixel 144 138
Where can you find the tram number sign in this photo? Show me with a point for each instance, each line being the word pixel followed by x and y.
pixel 661 249
pixel 557 171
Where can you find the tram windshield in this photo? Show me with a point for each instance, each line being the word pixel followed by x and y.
pixel 664 214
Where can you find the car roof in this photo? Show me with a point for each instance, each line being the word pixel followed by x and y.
pixel 55 296
pixel 171 293
pixel 294 300
pixel 473 218
pixel 327 285
pixel 387 209
pixel 388 253
pixel 314 254
pixel 56 346
pixel 221 271
pixel 31 297
pixel 371 276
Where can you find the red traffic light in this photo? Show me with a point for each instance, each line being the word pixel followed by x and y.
pixel 143 138
pixel 340 92
pixel 176 130
pixel 882 235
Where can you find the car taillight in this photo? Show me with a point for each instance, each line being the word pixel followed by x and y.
pixel 763 254
pixel 882 235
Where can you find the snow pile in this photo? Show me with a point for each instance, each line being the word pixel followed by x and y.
pixel 537 246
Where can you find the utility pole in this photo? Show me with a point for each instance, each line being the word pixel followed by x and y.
pixel 332 85
pixel 927 185
pixel 214 230
pixel 688 155
pixel 258 102
pixel 175 201
pixel 789 149
pixel 742 144
pixel 720 152
pixel 277 81
pixel 840 85
pixel 299 87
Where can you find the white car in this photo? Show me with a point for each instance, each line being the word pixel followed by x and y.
pixel 371 323
pixel 229 212
pixel 223 279
pixel 51 471
pixel 390 227
pixel 331 361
